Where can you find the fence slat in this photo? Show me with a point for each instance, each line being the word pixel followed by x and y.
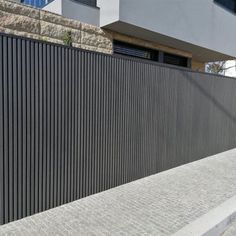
pixel 2 215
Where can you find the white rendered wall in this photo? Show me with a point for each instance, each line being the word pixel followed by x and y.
pixel 55 7
pixel 75 10
pixel 230 68
pixel 197 22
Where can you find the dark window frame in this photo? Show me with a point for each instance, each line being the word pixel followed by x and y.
pixel 92 3
pixel 229 5
pixel 135 51
pixel 132 50
pixel 176 60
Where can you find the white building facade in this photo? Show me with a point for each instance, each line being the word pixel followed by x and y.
pixel 230 68
pixel 198 28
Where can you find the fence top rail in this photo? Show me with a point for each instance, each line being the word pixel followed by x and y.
pixel 125 58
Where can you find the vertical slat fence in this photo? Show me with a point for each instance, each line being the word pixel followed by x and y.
pixel 74 123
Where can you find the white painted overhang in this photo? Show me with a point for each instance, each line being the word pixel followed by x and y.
pixel 200 27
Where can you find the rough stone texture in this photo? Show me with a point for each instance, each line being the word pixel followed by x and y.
pixel 20 33
pixel 59 20
pixel 97 40
pixel 19 23
pixel 2 4
pixel 58 31
pixel 91 35
pixel 29 22
pixel 91 29
pixel 20 9
pixel 157 205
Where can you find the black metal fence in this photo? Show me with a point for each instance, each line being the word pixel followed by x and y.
pixel 73 123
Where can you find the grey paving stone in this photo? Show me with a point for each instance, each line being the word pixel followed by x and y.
pixel 157 205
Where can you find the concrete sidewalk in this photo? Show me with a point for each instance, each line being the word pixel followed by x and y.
pixel 161 204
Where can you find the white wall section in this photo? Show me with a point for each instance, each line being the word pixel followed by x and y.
pixel 75 10
pixel 180 23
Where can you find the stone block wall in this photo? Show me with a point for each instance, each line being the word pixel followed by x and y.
pixel 38 24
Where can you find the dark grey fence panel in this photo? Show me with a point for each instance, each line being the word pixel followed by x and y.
pixel 74 123
pixel 2 215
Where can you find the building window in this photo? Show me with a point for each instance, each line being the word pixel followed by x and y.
pixel 135 51
pixel 92 3
pixel 228 4
pixel 131 50
pixel 175 60
pixel 36 3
